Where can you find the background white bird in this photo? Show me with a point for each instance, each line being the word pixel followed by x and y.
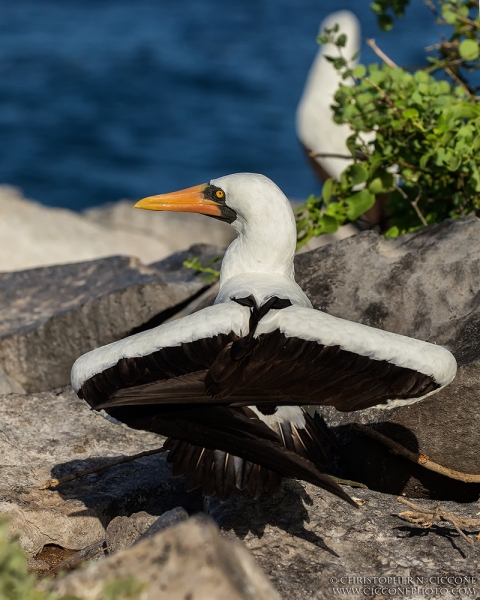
pixel 316 129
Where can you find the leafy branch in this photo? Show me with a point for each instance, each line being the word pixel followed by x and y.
pixel 210 274
pixel 16 583
pixel 423 156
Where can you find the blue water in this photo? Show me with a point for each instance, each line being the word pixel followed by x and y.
pixel 107 99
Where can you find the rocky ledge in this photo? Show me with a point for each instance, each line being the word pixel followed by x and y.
pixel 136 523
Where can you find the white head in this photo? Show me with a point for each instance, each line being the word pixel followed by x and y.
pixel 255 207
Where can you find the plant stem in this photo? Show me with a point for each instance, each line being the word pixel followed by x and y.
pixel 388 61
pixel 417 458
pixel 54 482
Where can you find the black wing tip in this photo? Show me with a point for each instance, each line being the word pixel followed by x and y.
pixel 328 484
pixel 349 499
pixel 212 472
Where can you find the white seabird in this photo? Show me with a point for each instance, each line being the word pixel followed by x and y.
pixel 316 130
pixel 323 140
pixel 228 384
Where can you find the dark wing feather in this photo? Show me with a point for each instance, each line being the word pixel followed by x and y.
pixel 185 389
pixel 162 365
pixel 276 370
pixel 236 472
pixel 308 373
pixel 236 431
pixel 219 472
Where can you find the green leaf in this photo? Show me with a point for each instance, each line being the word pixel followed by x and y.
pixel 417 98
pixel 443 87
pixel 351 143
pixel 327 190
pixel 364 98
pixel 454 162
pixel 353 175
pixel 449 15
pixel 326 224
pixel 469 50
pixel 385 22
pixel 465 111
pixel 359 71
pixel 424 160
pixel 421 77
pixel 466 133
pixel 410 113
pixel 393 232
pixel 424 88
pixel 382 183
pixel 358 203
pixel 341 40
pixel 476 177
pixel 339 63
pixel 195 265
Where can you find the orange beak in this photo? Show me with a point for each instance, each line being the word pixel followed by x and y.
pixel 188 200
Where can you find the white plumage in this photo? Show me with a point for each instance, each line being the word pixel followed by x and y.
pixel 315 127
pixel 230 379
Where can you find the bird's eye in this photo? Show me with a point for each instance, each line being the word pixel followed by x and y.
pixel 219 193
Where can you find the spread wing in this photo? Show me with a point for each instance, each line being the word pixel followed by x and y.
pixel 308 357
pixel 189 381
pixel 161 374
pixel 160 354
pixel 299 356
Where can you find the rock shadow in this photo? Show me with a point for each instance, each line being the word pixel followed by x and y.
pixel 145 484
pixel 444 532
pixel 362 459
pixel 287 510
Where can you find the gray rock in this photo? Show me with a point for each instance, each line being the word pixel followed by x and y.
pixel 54 434
pixel 188 561
pixel 425 285
pixel 168 519
pixel 50 316
pixel 307 540
pixel 122 532
pixel 205 299
pixel 34 235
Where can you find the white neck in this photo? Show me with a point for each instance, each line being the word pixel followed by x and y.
pixel 265 245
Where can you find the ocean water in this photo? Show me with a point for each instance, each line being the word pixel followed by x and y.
pixel 109 99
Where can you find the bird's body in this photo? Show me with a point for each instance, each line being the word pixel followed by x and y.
pixel 228 384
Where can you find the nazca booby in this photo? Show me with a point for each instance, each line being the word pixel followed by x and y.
pixel 316 130
pixel 323 140
pixel 228 384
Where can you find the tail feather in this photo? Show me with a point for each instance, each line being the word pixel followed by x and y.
pixel 219 473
